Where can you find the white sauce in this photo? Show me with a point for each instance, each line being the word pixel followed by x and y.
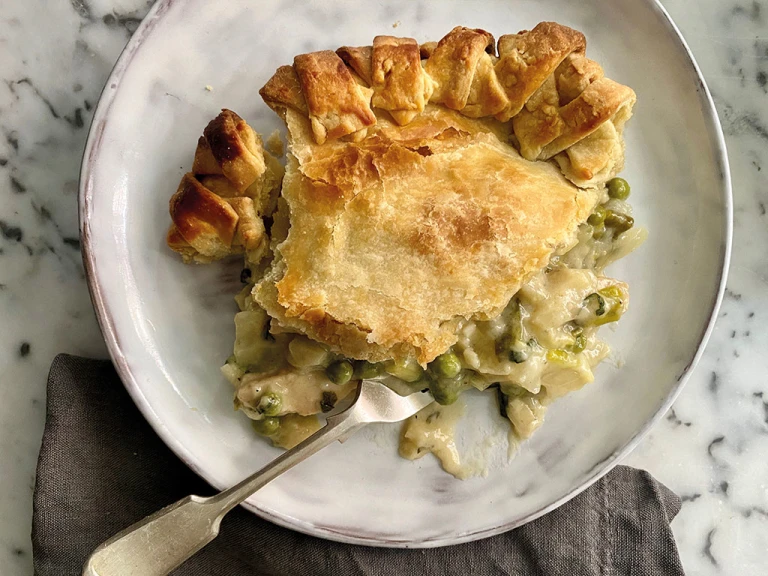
pixel 542 316
pixel 432 430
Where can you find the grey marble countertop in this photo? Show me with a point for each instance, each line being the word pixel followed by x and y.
pixel 712 448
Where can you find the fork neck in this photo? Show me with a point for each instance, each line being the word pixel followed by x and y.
pixel 338 427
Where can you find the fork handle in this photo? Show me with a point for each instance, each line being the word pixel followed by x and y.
pixel 163 541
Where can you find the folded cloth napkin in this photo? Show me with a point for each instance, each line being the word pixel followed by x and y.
pixel 102 468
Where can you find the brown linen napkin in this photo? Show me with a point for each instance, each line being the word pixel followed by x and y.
pixel 102 467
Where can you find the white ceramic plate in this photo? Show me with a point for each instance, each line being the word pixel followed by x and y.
pixel 169 326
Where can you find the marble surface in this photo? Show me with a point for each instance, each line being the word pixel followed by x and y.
pixel 54 58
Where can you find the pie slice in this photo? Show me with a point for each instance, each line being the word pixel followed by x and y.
pixel 395 239
pixel 417 215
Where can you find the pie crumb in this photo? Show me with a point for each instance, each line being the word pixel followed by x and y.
pixel 396 24
pixel 208 88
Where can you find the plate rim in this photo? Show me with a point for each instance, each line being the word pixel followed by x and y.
pixel 106 321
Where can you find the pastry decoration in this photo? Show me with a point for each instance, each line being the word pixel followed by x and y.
pixel 559 101
pixel 218 207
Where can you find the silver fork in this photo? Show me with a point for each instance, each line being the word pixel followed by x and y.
pixel 161 542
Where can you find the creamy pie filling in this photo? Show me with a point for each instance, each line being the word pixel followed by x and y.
pixel 543 346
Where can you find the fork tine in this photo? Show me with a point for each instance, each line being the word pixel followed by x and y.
pixel 378 403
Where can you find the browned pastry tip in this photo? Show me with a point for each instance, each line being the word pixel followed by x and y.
pixel 453 62
pixel 573 76
pixel 337 104
pixel 283 90
pixel 176 241
pixel 217 208
pixel 359 59
pixel 528 58
pixel 205 162
pixel 229 146
pixel 400 84
pixel 202 219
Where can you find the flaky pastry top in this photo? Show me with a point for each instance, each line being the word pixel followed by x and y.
pixel 395 238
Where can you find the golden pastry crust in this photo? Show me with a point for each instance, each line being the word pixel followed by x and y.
pixel 599 156
pixel 427 49
pixel 203 219
pixel 217 208
pixel 283 90
pixel 598 104
pixel 359 59
pixel 207 227
pixel 453 62
pixel 250 233
pixel 390 246
pixel 574 75
pixel 400 85
pixel 189 254
pixel 527 59
pixel 230 147
pixel 337 105
pixel 540 79
pixel 486 94
pixel 545 128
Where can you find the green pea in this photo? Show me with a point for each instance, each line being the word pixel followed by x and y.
pixel 270 404
pixel 618 188
pixel 598 216
pixel 619 222
pixel 446 365
pixel 444 390
pixel 365 369
pixel 340 372
pixel 266 426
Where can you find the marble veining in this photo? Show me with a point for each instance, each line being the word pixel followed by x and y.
pixel 711 448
